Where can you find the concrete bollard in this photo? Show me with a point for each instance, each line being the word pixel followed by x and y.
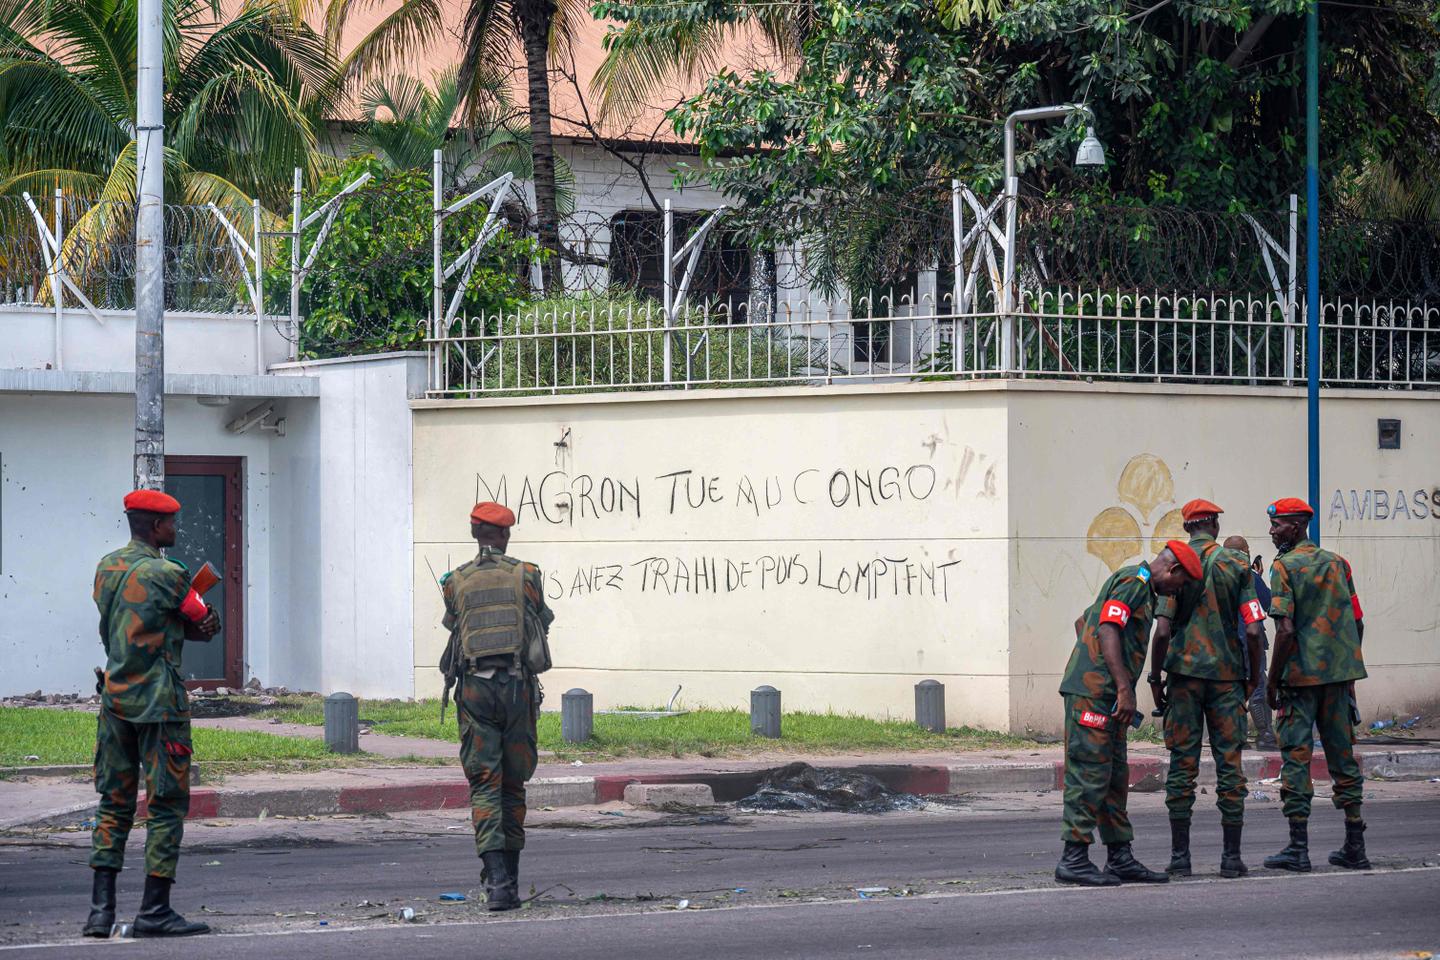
pixel 765 712
pixel 577 716
pixel 930 705
pixel 342 723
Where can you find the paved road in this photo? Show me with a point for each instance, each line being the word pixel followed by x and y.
pixel 977 878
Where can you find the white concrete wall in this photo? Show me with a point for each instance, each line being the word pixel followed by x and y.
pixel 1085 458
pixel 194 342
pixel 343 485
pixel 1041 490
pixel 746 569
pixel 65 464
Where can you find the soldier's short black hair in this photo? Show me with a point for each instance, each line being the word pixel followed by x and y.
pixel 488 532
pixel 142 522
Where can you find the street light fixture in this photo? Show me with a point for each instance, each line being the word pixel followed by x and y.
pixel 1090 154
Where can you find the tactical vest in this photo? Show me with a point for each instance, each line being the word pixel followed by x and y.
pixel 491 602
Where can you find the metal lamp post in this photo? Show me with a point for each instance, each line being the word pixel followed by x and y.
pixel 1090 154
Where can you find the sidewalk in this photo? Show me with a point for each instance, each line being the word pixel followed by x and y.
pixel 34 801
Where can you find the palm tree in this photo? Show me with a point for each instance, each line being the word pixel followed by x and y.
pixel 406 121
pixel 491 29
pixel 243 102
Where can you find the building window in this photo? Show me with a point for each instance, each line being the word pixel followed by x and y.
pixel 722 275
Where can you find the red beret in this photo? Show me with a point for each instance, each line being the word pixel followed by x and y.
pixel 1199 508
pixel 493 513
pixel 154 501
pixel 1290 507
pixel 1186 556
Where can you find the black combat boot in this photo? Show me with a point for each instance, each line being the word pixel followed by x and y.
pixel 1179 848
pixel 1121 864
pixel 1231 866
pixel 156 917
pixel 102 904
pixel 499 888
pixel 1075 867
pixel 1296 856
pixel 512 867
pixel 1352 855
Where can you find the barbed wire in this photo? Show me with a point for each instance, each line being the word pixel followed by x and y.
pixel 370 286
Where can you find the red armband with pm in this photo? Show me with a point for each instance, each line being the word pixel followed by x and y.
pixel 1251 612
pixel 1355 605
pixel 193 608
pixel 1113 611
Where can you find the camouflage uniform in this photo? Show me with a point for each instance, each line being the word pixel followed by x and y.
pixel 145 712
pixel 1097 767
pixel 498 707
pixel 1314 588
pixel 1206 670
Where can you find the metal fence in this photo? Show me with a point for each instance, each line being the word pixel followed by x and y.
pixel 663 299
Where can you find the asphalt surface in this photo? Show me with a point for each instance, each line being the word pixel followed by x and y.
pixel 971 880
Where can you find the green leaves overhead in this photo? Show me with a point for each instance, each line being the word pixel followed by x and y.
pixel 1198 104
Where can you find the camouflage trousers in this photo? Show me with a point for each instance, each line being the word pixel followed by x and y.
pixel 1198 705
pixel 122 749
pixel 1097 776
pixel 1326 707
pixel 497 750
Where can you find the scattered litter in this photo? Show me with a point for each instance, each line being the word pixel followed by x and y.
pixel 1410 724
pixel 88 824
pixel 547 808
pixel 1382 724
pixel 461 827
pixel 682 905
pixel 799 786
pixel 120 931
pixel 264 812
pixel 872 889
pixel 1435 779
pixel 324 923
pixel 211 863
pixel 741 890
pixel 1259 795
pixel 453 897
pixel 1150 783
pixel 611 813
pixel 406 915
pixel 31 756
pixel 577 763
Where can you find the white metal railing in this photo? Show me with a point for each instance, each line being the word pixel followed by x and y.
pixel 1064 333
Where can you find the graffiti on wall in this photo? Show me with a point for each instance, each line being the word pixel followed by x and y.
pixel 1118 533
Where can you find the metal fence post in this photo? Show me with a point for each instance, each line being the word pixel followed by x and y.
pixel 437 264
pixel 930 705
pixel 57 286
pixel 342 723
pixel 667 281
pixel 295 268
pixel 765 712
pixel 259 288
pixel 577 716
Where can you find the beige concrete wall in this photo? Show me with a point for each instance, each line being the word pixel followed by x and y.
pixel 1032 492
pixel 840 545
pixel 1098 473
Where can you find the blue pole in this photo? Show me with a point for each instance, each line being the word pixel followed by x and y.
pixel 1312 256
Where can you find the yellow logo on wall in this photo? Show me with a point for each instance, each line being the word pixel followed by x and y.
pixel 1117 533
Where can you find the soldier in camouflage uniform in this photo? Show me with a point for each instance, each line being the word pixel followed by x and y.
pixel 1099 692
pixel 1318 629
pixel 1208 688
pixel 147 611
pixel 498 620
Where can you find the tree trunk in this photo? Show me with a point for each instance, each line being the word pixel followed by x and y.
pixel 536 19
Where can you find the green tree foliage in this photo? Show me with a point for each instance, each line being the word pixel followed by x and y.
pixel 1199 103
pixel 369 290
pixel 245 94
